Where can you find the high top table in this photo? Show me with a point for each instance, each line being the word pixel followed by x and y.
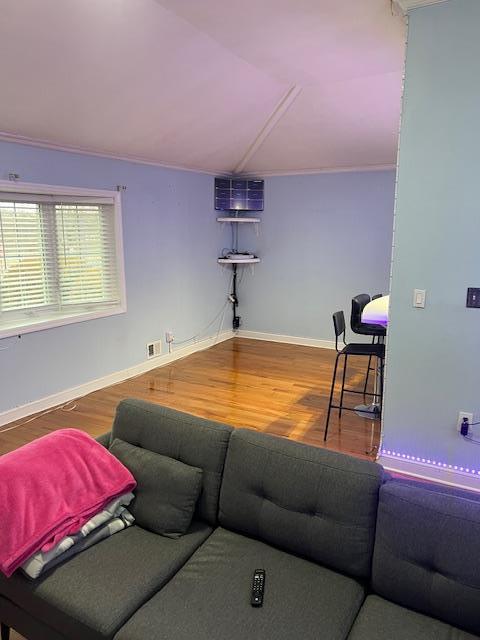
pixel 375 312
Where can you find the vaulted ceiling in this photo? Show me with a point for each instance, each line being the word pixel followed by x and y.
pixel 257 86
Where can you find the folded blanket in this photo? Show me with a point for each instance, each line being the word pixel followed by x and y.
pixel 42 560
pixel 50 488
pixel 34 567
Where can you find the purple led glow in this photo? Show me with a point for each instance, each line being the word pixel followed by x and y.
pixel 432 463
pixel 376 311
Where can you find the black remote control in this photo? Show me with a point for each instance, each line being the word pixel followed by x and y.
pixel 258 587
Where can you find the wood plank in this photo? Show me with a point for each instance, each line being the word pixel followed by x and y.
pixel 276 388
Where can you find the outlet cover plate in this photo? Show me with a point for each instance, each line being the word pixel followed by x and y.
pixel 461 416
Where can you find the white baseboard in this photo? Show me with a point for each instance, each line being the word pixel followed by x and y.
pixel 23 411
pixel 450 477
pixel 275 337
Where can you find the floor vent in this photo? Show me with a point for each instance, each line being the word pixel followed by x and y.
pixel 154 349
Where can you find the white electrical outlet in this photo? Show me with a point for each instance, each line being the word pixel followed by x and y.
pixel 169 337
pixel 461 416
pixel 154 349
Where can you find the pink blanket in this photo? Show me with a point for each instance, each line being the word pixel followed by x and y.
pixel 50 488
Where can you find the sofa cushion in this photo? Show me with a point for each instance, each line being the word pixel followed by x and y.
pixel 382 620
pixel 91 595
pixel 209 599
pixel 313 502
pixel 195 441
pixel 427 552
pixel 167 489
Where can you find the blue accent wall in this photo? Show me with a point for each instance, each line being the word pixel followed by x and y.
pixel 433 363
pixel 171 241
pixel 323 239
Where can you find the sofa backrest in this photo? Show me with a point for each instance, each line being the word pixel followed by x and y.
pixel 427 552
pixel 195 441
pixel 310 501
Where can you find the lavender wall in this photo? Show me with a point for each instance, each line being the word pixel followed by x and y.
pixel 323 239
pixel 173 282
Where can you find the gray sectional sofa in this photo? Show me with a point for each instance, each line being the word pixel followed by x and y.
pixel 348 553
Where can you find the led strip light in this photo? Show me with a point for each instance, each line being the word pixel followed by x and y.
pixel 430 462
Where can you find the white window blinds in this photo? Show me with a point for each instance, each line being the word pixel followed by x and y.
pixel 26 269
pixel 58 258
pixel 86 256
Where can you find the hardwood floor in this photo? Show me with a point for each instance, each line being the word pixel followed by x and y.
pixel 276 388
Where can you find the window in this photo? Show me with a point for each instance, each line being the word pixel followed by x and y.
pixel 60 257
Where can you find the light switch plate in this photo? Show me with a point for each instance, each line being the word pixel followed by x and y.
pixel 419 298
pixel 473 298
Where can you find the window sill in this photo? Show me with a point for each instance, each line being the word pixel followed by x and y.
pixel 20 327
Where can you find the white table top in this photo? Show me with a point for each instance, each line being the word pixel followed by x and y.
pixel 376 311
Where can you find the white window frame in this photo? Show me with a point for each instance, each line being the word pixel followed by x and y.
pixel 82 316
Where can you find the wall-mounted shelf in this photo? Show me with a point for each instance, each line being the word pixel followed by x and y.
pixel 239 261
pixel 232 219
pixel 235 220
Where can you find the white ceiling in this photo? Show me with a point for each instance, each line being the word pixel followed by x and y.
pixel 200 83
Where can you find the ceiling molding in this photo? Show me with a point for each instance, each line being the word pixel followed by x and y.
pixel 32 142
pixel 406 5
pixel 304 172
pixel 45 144
pixel 277 114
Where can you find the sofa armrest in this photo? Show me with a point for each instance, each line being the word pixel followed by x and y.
pixel 104 439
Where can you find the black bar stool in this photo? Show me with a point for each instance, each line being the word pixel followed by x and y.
pixel 377 332
pixel 368 350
